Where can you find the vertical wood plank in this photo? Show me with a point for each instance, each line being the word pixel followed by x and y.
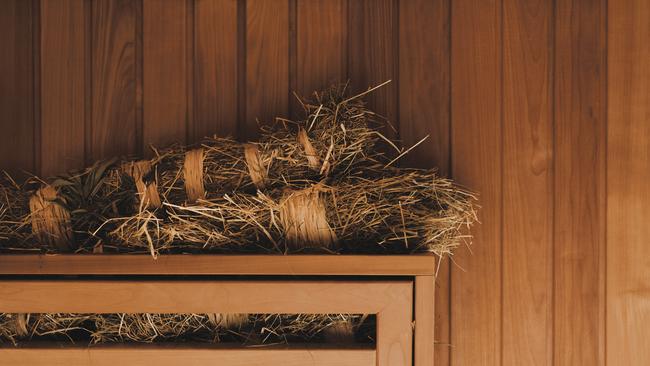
pixel 424 96
pixel 215 68
pixel 114 120
pixel 267 63
pixel 62 86
pixel 424 53
pixel 628 190
pixel 321 44
pixel 17 121
pixel 164 41
pixel 476 163
pixel 425 322
pixel 372 54
pixel 580 130
pixel 527 184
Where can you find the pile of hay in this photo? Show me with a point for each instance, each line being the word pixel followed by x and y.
pixel 257 329
pixel 323 184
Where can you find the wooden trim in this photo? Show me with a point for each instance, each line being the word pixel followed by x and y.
pixel 186 357
pixel 94 296
pixel 395 328
pixel 389 265
pixel 424 320
pixel 392 301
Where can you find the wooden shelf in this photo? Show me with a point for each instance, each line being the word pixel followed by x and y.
pixel 125 264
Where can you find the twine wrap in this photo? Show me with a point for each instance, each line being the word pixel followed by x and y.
pixel 310 152
pixel 256 168
pixel 303 216
pixel 147 191
pixel 20 324
pixel 341 331
pixel 228 320
pixel 50 220
pixel 193 174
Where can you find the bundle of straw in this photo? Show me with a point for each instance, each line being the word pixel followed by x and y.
pixel 405 211
pixel 337 135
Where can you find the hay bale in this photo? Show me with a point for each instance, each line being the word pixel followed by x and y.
pixel 397 211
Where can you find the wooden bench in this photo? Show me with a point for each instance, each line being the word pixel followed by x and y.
pixel 398 289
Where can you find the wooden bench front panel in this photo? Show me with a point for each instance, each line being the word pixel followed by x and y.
pixel 392 301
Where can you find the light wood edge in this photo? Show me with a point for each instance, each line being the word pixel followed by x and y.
pixel 424 320
pixel 151 296
pixel 395 329
pixel 186 357
pixel 124 264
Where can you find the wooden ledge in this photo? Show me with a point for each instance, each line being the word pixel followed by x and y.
pixel 125 264
pixel 188 357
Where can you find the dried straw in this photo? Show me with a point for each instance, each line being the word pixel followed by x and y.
pixel 397 211
pixel 153 327
pixel 15 228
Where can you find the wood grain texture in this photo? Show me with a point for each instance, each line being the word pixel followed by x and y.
pixel 372 55
pixel 476 163
pixel 175 296
pixel 628 191
pixel 17 115
pixel 267 63
pixel 424 109
pixel 425 318
pixel 215 68
pixel 424 82
pixel 527 251
pixel 321 44
pixel 335 265
pixel 165 83
pixel 62 86
pixel 114 120
pixel 139 356
pixel 580 130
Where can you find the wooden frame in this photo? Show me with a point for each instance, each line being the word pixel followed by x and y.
pixel 410 287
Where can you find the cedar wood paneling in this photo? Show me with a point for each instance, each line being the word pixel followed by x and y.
pixel 540 106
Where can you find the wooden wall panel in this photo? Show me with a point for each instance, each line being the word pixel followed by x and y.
pixel 527 226
pixel 165 71
pixel 17 107
pixel 321 44
pixel 63 101
pixel 580 129
pixel 515 103
pixel 215 68
pixel 424 85
pixel 373 52
pixel 628 188
pixel 114 78
pixel 476 163
pixel 267 63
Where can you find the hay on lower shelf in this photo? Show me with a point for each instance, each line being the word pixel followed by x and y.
pixel 152 327
pixel 398 211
